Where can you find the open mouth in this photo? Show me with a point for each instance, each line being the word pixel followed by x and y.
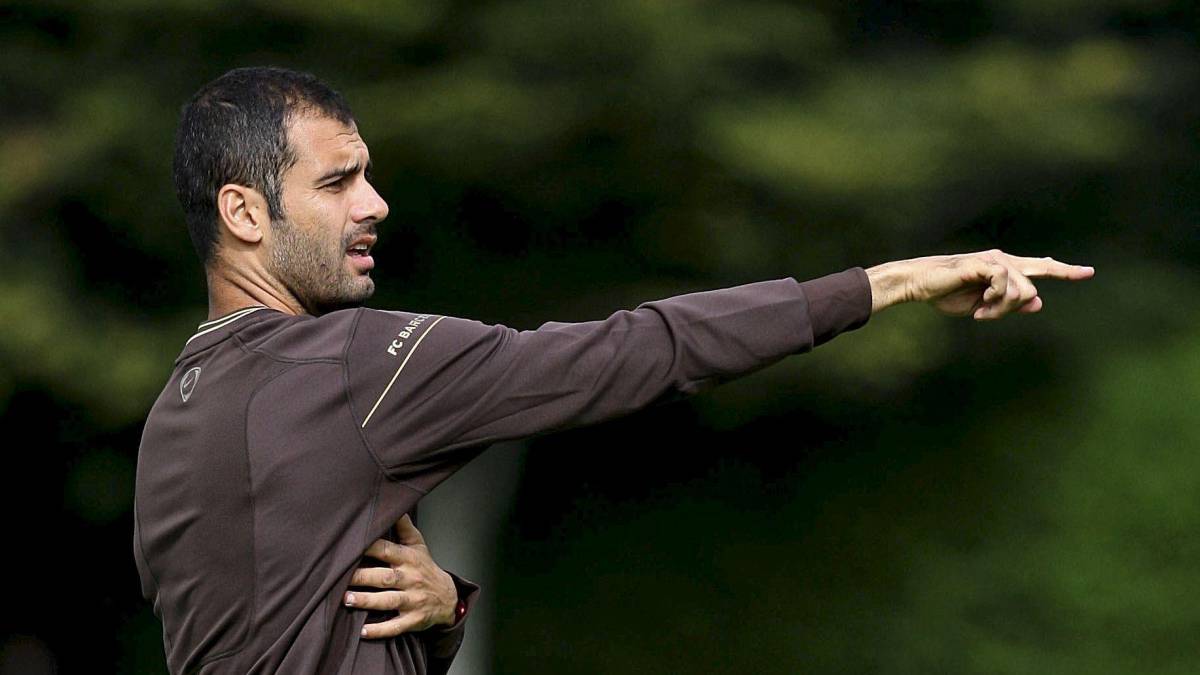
pixel 359 253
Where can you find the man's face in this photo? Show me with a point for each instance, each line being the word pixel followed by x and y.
pixel 321 248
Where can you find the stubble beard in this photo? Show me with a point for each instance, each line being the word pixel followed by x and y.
pixel 315 274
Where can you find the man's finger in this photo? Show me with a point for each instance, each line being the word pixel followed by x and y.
pixel 1012 296
pixel 392 627
pixel 1052 269
pixel 390 552
pixel 999 305
pixel 1017 295
pixel 996 311
pixel 381 600
pixel 408 533
pixel 377 577
pixel 1031 307
pixel 1020 291
pixel 996 277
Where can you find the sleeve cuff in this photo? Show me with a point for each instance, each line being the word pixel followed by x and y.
pixel 838 303
pixel 443 641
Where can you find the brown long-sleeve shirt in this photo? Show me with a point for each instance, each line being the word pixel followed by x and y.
pixel 282 446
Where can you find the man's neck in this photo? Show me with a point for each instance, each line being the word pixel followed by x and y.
pixel 228 293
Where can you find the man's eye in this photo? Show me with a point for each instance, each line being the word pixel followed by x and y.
pixel 335 185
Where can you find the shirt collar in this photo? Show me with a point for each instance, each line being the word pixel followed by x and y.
pixel 222 321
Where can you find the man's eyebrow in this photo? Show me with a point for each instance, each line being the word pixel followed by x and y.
pixel 343 172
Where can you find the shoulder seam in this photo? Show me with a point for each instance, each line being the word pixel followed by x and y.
pixel 278 357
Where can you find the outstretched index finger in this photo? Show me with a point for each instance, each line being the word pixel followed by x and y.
pixel 1052 269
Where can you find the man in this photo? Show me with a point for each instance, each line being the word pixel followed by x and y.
pixel 297 426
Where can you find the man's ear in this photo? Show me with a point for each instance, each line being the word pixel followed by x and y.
pixel 243 212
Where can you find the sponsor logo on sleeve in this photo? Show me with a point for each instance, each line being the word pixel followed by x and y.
pixel 188 383
pixel 407 341
pixel 408 332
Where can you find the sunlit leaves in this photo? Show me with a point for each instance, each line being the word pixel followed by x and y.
pixel 890 136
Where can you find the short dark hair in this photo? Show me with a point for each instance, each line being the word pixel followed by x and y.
pixel 234 130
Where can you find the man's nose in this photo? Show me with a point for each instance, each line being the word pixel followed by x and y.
pixel 369 205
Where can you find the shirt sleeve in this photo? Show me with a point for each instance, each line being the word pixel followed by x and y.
pixel 422 386
pixel 443 642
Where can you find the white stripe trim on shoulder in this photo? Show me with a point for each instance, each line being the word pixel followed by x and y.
pixel 237 312
pixel 225 321
pixel 402 364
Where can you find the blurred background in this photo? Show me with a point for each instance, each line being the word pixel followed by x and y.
pixel 923 495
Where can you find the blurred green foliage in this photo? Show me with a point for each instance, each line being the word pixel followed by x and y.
pixel 924 496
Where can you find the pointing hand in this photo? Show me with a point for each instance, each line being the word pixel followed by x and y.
pixel 984 285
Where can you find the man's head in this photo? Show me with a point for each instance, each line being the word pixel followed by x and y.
pixel 274 182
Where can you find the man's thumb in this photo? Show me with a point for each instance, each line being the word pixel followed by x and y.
pixel 408 533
